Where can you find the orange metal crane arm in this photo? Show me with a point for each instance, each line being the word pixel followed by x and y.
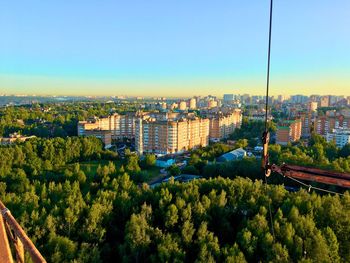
pixel 313 175
pixel 21 235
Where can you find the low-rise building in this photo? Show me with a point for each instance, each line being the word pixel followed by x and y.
pixel 165 161
pixel 14 137
pixel 237 154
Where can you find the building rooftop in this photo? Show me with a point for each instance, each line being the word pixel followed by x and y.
pixel 233 155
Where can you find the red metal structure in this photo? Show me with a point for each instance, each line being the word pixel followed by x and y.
pixel 293 171
pixel 12 232
pixel 300 172
pixel 313 175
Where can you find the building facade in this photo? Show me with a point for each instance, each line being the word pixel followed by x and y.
pixel 193 104
pixel 332 120
pixel 228 98
pixel 340 136
pixel 120 126
pixel 324 101
pixel 182 105
pixel 212 104
pixel 312 106
pixel 170 136
pixel 222 125
pixel 288 131
pixel 306 124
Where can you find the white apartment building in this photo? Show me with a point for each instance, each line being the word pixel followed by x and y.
pixel 120 126
pixel 340 136
pixel 170 136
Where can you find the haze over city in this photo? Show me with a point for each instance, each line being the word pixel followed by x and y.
pixel 176 48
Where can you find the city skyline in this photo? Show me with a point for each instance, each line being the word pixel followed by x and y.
pixel 236 96
pixel 172 49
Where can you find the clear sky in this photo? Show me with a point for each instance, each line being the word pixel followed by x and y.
pixel 173 47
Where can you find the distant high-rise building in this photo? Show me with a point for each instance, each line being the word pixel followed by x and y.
pixel 255 99
pixel 312 106
pixel 173 106
pixel 212 104
pixel 228 98
pixel 182 105
pixel 246 99
pixel 315 97
pixel 333 100
pixel 299 99
pixel 324 101
pixel 281 98
pixel 288 131
pixel 162 106
pixel 193 103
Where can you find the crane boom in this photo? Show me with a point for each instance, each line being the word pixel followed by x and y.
pixel 313 175
pixel 20 239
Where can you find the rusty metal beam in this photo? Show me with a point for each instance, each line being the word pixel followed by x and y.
pixel 319 179
pixel 5 250
pixel 316 171
pixel 21 235
pixel 298 172
pixel 19 250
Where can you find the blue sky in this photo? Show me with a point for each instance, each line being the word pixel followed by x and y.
pixel 173 48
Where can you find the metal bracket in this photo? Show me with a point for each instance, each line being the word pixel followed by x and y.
pixel 265 164
pixel 5 211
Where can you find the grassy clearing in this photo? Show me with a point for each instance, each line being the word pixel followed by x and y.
pixel 153 173
pixel 90 168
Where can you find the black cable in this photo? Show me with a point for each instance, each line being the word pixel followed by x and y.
pixel 312 187
pixel 266 128
pixel 268 68
pixel 266 109
pixel 270 212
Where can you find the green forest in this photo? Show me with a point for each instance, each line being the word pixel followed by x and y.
pixel 105 215
pixel 49 120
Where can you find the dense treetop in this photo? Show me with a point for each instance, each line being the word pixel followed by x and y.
pixel 55 119
pixel 103 216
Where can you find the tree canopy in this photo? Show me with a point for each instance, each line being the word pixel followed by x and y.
pixel 107 217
